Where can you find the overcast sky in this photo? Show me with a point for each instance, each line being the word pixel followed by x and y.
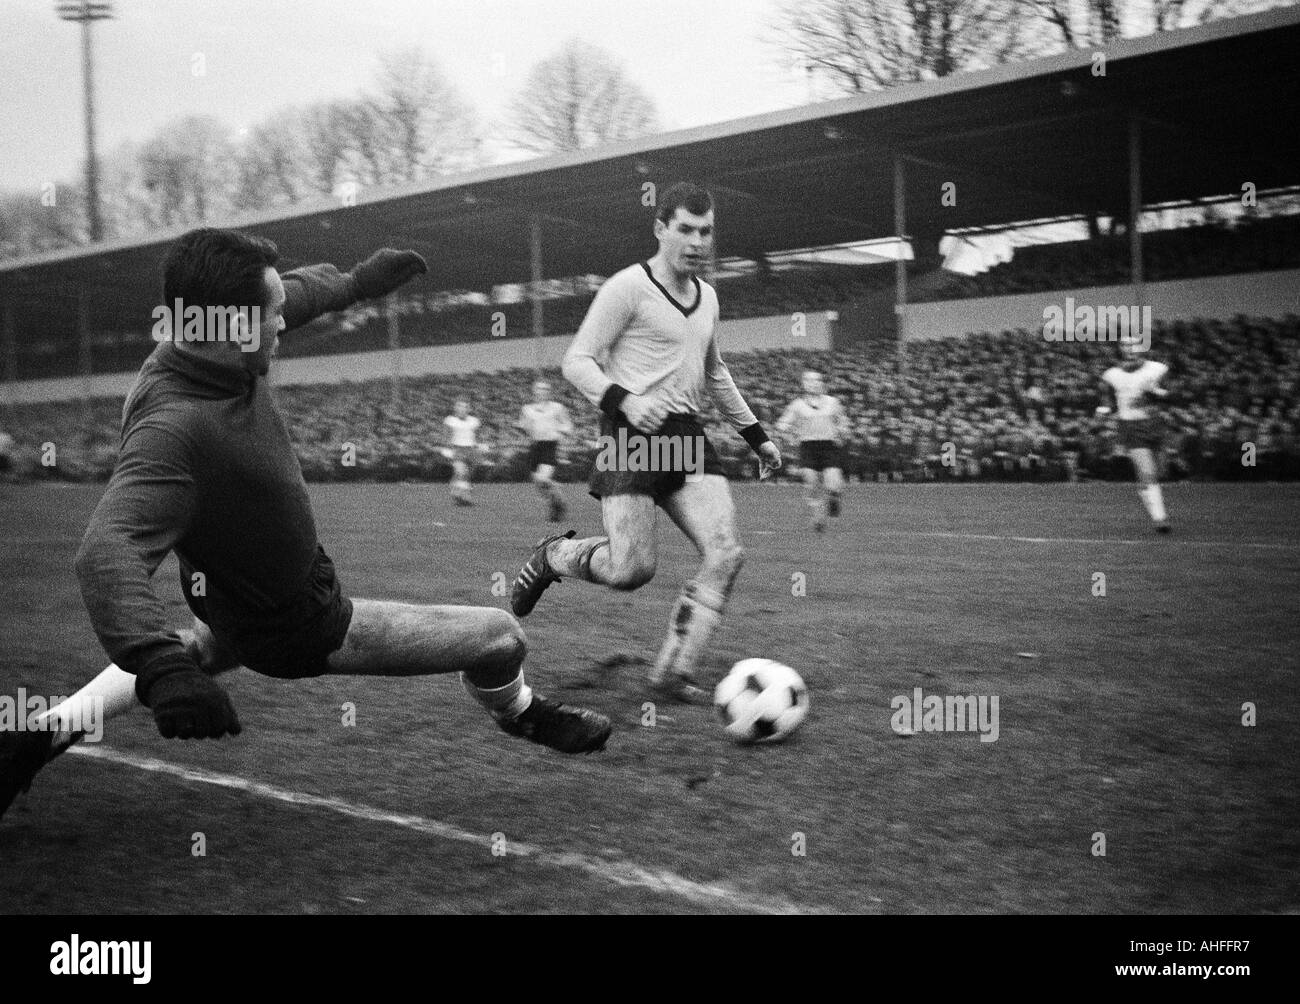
pixel 700 60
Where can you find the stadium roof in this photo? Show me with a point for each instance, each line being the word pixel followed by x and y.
pixel 1218 103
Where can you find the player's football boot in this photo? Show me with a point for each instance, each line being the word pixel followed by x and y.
pixel 559 726
pixel 534 577
pixel 558 510
pixel 833 504
pixel 682 689
pixel 1164 527
pixel 22 754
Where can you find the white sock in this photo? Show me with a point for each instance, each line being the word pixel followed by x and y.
pixel 109 694
pixel 695 617
pixel 1154 501
pixel 509 701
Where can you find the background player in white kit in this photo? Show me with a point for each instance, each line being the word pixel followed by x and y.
pixel 818 421
pixel 1130 384
pixel 462 442
pixel 545 423
pixel 646 355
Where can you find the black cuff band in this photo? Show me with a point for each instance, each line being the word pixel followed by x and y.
pixel 612 398
pixel 754 435
pixel 164 665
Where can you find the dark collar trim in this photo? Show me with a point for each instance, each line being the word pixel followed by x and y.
pixel 686 311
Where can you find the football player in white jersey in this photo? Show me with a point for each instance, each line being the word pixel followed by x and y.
pixel 817 420
pixel 1130 385
pixel 545 422
pixel 647 356
pixel 462 442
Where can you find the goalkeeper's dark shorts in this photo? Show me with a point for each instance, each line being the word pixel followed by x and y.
pixel 629 462
pixel 291 643
pixel 1139 433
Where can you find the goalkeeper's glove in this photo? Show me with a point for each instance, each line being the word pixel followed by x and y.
pixel 186 702
pixel 386 270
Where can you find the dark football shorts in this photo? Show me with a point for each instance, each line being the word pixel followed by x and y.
pixel 542 452
pixel 1137 433
pixel 293 643
pixel 819 454
pixel 665 448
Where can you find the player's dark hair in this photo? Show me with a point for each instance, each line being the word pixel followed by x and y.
pixel 686 195
pixel 218 268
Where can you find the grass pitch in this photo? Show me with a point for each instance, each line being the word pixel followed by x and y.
pixel 1119 715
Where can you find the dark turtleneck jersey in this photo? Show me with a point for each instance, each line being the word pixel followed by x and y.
pixel 205 468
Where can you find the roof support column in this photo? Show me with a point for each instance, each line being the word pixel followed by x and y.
pixel 394 350
pixel 84 364
pixel 900 265
pixel 535 286
pixel 1135 205
pixel 8 343
pixel 8 351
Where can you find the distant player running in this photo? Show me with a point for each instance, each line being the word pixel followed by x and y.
pixel 206 469
pixel 545 423
pixel 819 423
pixel 647 356
pixel 462 444
pixel 1129 385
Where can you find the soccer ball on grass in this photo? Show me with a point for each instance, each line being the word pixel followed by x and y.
pixel 761 701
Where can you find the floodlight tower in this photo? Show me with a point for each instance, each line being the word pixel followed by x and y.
pixel 86 12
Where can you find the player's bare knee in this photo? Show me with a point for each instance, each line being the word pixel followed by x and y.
pixel 632 573
pixel 508 643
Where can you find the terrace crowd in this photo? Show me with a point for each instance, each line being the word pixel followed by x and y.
pixel 1008 405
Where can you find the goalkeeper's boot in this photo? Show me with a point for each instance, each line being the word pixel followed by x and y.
pixel 559 726
pixel 535 576
pixel 22 754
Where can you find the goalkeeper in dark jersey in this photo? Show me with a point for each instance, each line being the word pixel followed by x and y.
pixel 206 468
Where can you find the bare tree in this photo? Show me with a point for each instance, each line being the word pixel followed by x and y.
pixel 32 221
pixel 426 127
pixel 187 170
pixel 576 98
pixel 271 167
pixel 865 45
pixel 1081 23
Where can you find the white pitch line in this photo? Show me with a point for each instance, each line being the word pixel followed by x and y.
pixel 629 875
pixel 1089 540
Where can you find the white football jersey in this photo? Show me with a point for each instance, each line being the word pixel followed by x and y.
pixel 1132 386
pixel 462 429
pixel 812 418
pixel 545 422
